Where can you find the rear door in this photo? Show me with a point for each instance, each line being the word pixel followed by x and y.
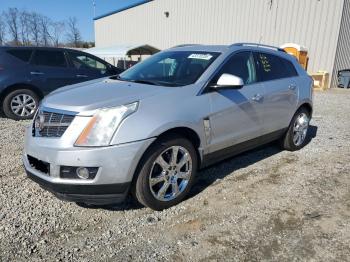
pixel 236 113
pixel 87 67
pixel 49 70
pixel 280 80
pixel 14 62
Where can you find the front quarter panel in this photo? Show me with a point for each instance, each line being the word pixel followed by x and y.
pixel 155 115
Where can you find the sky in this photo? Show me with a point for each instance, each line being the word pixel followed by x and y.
pixel 59 10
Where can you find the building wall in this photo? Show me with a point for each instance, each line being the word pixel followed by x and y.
pixel 312 23
pixel 342 57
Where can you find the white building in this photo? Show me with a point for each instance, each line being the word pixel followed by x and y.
pixel 323 26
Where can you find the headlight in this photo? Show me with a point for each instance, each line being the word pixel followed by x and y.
pixel 101 128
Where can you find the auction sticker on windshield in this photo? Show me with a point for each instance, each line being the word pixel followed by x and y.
pixel 201 56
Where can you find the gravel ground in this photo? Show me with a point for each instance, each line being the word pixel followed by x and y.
pixel 263 205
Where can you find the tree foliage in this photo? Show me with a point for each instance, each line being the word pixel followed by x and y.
pixel 24 28
pixel 73 34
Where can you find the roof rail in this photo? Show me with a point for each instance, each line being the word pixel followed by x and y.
pixel 259 45
pixel 183 45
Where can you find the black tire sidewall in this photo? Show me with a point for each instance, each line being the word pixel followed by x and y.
pixel 7 103
pixel 142 190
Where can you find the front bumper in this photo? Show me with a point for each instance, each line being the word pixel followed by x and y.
pixel 116 167
pixel 89 194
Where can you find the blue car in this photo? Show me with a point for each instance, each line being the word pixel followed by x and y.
pixel 27 74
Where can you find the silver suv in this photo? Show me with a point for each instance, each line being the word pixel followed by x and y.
pixel 148 130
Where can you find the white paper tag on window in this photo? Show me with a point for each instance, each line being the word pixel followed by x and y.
pixel 201 56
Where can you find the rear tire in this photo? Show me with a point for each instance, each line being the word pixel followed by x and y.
pixel 295 138
pixel 20 104
pixel 166 173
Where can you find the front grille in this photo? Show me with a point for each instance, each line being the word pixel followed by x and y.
pixel 39 165
pixel 53 131
pixel 49 124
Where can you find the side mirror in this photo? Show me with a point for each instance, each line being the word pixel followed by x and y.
pixel 228 81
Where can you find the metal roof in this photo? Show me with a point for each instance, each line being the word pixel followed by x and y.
pixel 123 9
pixel 122 50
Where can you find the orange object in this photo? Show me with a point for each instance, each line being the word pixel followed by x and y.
pixel 321 80
pixel 84 135
pixel 300 52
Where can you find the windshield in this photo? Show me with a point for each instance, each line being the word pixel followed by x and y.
pixel 171 68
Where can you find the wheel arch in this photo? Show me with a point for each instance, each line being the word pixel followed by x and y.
pixel 307 106
pixel 17 86
pixel 186 132
pixel 182 131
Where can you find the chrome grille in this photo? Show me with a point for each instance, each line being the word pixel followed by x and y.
pixel 49 124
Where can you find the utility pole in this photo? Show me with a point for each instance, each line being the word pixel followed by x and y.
pixel 94 6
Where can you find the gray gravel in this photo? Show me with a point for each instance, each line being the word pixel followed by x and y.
pixel 264 205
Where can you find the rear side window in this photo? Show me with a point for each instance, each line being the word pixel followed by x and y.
pixel 291 71
pixel 23 54
pixel 272 67
pixel 81 61
pixel 49 58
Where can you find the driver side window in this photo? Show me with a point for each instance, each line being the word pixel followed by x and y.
pixel 82 61
pixel 241 65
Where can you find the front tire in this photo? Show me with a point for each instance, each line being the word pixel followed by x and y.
pixel 295 138
pixel 20 104
pixel 166 174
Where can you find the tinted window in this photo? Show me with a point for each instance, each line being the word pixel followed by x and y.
pixel 241 65
pixel 49 58
pixel 81 61
pixel 289 68
pixel 172 68
pixel 23 55
pixel 272 67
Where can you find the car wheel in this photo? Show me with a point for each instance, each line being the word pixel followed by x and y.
pixel 166 173
pixel 20 104
pixel 295 138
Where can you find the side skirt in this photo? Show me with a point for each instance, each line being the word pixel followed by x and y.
pixel 234 150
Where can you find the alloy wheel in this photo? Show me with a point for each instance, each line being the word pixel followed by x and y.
pixel 23 105
pixel 300 128
pixel 170 173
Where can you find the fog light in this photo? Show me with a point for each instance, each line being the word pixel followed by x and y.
pixel 73 172
pixel 82 172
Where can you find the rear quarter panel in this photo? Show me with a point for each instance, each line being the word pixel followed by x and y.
pixel 303 81
pixel 305 86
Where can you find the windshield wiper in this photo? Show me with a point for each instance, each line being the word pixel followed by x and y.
pixel 148 82
pixel 140 81
pixel 115 77
pixel 173 84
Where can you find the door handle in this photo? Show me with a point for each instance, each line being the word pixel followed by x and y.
pixel 257 97
pixel 36 73
pixel 82 76
pixel 292 87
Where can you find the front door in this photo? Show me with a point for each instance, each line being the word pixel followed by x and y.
pixel 87 67
pixel 49 70
pixel 236 113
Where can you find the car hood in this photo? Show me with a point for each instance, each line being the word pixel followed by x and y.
pixel 84 98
